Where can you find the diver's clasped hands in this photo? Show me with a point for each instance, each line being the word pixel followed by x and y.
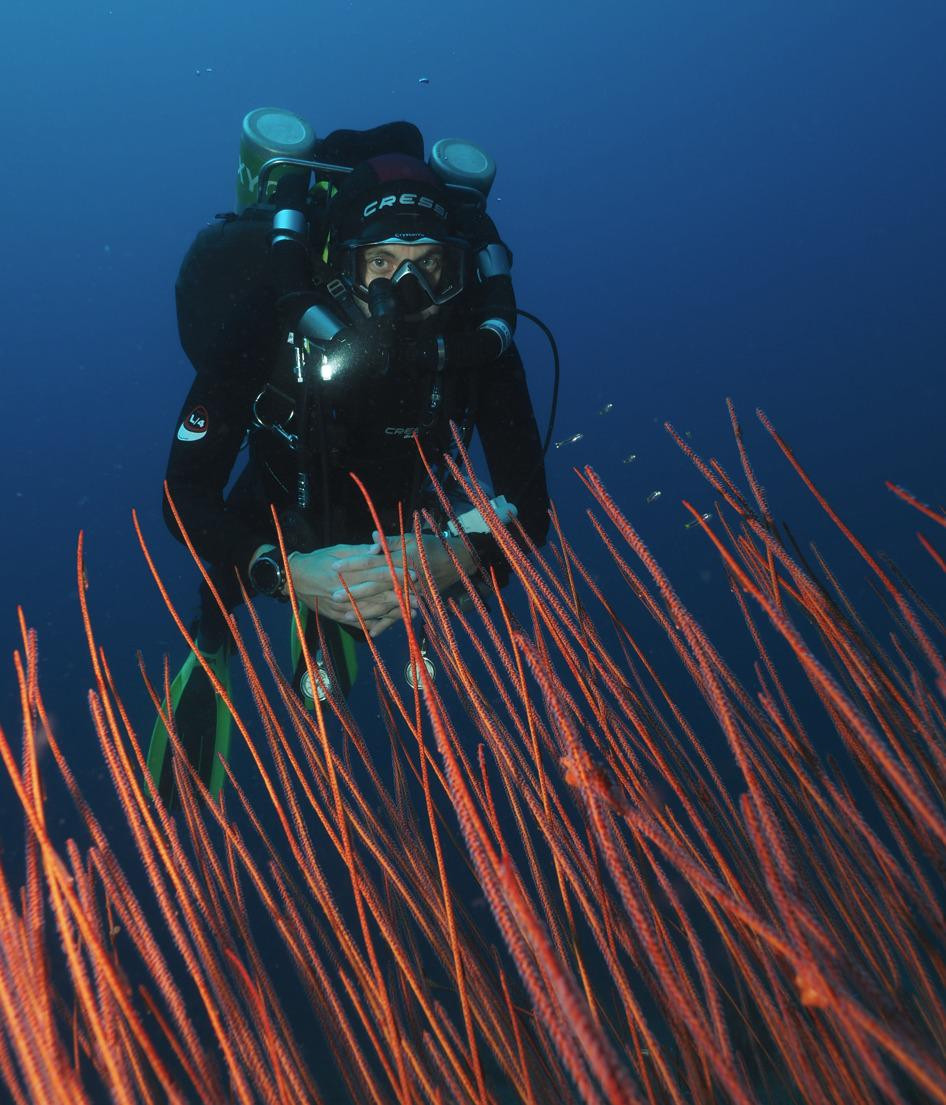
pixel 440 565
pixel 319 579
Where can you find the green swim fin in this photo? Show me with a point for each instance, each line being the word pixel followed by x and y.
pixel 203 725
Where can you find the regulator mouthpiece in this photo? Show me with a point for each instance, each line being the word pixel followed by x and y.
pixel 382 300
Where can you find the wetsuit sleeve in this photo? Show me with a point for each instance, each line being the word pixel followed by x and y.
pixel 210 430
pixel 228 328
pixel 506 424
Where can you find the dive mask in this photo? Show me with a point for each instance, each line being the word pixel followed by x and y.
pixel 416 285
pixel 414 292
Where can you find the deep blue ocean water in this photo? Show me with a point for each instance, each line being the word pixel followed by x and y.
pixel 704 200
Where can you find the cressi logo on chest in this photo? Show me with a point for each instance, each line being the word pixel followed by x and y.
pixel 194 426
pixel 401 431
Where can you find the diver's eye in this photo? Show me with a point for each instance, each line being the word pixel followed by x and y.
pixel 377 263
pixel 432 262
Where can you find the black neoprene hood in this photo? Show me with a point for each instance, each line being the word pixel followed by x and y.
pixel 390 196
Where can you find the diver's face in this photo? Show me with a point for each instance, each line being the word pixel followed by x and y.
pixel 383 261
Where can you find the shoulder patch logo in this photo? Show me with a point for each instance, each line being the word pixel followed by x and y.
pixel 194 426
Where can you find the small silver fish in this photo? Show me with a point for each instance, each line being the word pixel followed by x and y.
pixel 607 408
pixel 630 458
pixel 654 496
pixel 696 521
pixel 423 80
pixel 569 440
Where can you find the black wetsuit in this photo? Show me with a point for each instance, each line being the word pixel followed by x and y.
pixel 237 344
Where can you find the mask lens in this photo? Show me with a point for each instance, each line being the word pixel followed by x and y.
pixel 432 278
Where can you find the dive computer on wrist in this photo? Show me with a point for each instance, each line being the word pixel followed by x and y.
pixel 266 573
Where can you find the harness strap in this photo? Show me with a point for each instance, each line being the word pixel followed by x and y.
pixel 326 277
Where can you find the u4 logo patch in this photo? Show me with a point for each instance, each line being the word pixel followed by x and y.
pixel 194 426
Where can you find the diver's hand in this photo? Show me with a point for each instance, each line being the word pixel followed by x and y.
pixel 442 569
pixel 315 578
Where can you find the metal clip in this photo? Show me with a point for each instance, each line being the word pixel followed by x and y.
pixel 274 427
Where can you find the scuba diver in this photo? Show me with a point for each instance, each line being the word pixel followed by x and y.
pixel 357 309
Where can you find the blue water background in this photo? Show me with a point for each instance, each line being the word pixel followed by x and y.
pixel 704 200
